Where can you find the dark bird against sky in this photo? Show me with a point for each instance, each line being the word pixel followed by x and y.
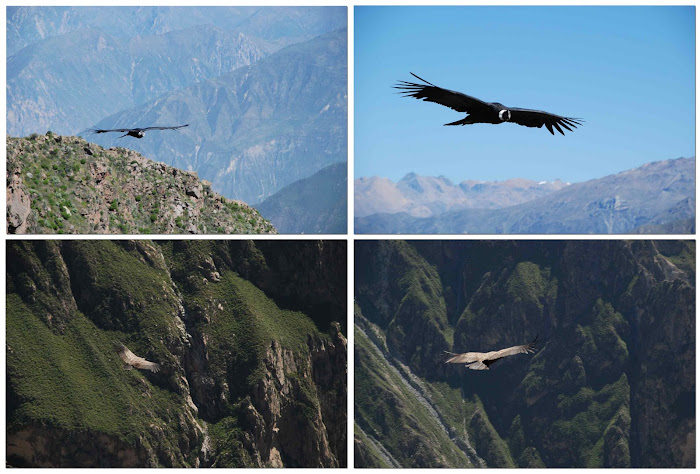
pixel 482 360
pixel 136 132
pixel 484 112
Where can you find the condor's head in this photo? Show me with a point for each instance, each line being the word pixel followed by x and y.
pixel 503 114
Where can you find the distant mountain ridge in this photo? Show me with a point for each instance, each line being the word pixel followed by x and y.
pixel 317 204
pixel 69 82
pixel 424 196
pixel 657 193
pixel 257 129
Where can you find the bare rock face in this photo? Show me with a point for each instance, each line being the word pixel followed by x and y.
pixel 18 207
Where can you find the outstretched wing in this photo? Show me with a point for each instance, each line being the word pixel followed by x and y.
pixel 432 93
pixel 524 349
pixel 465 358
pixel 135 361
pixel 537 118
pixel 100 130
pixel 164 128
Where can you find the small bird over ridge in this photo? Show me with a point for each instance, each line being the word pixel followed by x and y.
pixel 136 132
pixel 485 112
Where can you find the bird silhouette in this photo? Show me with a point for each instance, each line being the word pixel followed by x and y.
pixel 485 112
pixel 135 132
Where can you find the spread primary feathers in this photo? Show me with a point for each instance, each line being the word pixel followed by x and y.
pixel 482 360
pixel 136 361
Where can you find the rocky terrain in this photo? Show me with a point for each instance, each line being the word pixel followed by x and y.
pixel 248 377
pixel 58 184
pixel 424 196
pixel 612 383
pixel 314 205
pixel 658 195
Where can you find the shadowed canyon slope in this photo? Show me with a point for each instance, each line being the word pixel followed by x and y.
pixel 659 194
pixel 612 384
pixel 248 335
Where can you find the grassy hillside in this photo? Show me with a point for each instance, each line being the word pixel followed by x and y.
pixel 240 377
pixel 66 185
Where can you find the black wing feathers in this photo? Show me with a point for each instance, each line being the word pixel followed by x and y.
pixel 537 118
pixel 127 130
pixel 432 93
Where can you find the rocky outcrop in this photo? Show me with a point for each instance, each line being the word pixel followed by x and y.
pixel 62 184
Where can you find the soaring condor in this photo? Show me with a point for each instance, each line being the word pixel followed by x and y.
pixel 136 132
pixel 484 112
pixel 482 360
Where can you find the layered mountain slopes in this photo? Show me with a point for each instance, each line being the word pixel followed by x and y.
pixel 58 184
pixel 69 67
pixel 258 129
pixel 317 204
pixel 660 194
pixel 245 380
pixel 612 384
pixel 274 27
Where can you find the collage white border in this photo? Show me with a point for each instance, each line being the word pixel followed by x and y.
pixel 350 237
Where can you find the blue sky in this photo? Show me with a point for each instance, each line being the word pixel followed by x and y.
pixel 629 72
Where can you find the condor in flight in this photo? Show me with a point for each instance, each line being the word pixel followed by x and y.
pixel 136 132
pixel 482 360
pixel 484 112
pixel 133 360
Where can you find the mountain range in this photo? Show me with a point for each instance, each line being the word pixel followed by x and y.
pixel 612 383
pixel 658 196
pixel 425 196
pixel 264 90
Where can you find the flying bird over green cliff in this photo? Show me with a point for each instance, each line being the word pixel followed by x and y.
pixel 484 112
pixel 482 360
pixel 135 361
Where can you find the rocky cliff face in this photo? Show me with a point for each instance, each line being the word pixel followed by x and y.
pixel 613 383
pixel 59 184
pixel 243 382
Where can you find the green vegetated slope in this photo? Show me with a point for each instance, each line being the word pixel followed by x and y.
pixel 243 380
pixel 60 184
pixel 613 384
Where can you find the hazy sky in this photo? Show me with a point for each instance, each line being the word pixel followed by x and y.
pixel 629 72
